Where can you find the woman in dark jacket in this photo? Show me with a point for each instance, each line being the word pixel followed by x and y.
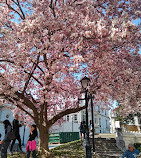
pixel 31 144
pixel 6 141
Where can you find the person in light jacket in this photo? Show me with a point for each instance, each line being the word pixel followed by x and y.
pixel 31 144
pixel 6 141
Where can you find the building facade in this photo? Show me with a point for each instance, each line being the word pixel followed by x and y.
pixel 114 123
pixel 72 121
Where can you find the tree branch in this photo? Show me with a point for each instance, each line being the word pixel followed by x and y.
pixel 27 102
pixel 63 113
pixel 22 17
pixel 12 62
pixel 10 99
pixel 39 67
pixel 45 61
pixel 52 7
pixel 21 9
pixel 31 74
pixel 7 60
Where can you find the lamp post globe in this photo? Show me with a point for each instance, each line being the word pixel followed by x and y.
pixel 85 82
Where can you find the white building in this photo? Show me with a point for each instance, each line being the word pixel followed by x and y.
pixel 113 117
pixel 72 121
pixel 114 123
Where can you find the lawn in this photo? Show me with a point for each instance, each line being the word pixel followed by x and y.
pixel 72 149
pixel 69 150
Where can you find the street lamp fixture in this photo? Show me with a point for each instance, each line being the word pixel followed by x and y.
pixel 85 83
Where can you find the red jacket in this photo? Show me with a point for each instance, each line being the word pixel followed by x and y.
pixel 31 145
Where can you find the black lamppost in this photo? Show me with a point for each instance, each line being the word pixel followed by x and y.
pixel 85 83
pixel 92 113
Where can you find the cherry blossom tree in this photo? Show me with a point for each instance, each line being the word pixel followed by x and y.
pixel 47 45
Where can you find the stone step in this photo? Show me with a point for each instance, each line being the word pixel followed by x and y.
pixel 106 151
pixel 108 143
pixel 104 139
pixel 107 148
pixel 104 145
pixel 111 155
pixel 103 142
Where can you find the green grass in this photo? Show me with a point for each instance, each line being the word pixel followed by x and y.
pixel 17 156
pixel 68 150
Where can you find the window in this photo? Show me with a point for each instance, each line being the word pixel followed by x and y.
pixel 100 122
pixel 83 116
pixel 106 124
pixel 95 120
pixel 7 116
pixel 98 108
pixel 139 121
pixel 75 117
pixel 67 117
pixel 105 112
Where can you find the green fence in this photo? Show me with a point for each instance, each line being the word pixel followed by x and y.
pixel 63 137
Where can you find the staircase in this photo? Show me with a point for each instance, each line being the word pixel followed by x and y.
pixel 106 148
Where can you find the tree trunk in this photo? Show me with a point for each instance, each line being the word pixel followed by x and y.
pixel 43 142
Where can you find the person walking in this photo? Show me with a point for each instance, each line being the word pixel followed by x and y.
pixel 6 141
pixel 83 129
pixel 90 126
pixel 16 127
pixel 31 144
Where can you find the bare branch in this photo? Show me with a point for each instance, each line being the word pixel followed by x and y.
pixel 21 9
pixel 27 102
pixel 7 60
pixel 52 7
pixel 39 67
pixel 45 61
pixel 12 62
pixel 22 17
pixel 12 100
pixel 15 2
pixel 31 74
